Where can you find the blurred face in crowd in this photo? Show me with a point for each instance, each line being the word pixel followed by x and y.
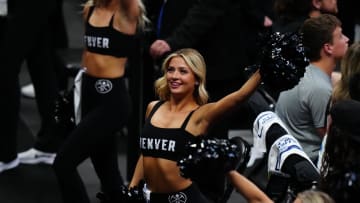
pixel 326 6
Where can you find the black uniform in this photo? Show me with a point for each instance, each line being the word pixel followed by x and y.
pixel 101 109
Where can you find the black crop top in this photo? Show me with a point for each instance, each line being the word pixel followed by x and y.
pixel 166 143
pixel 107 40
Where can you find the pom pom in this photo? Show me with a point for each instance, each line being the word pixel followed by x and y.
pixel 64 115
pixel 282 60
pixel 226 154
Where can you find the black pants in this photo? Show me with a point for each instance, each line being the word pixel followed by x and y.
pixel 25 38
pixel 105 109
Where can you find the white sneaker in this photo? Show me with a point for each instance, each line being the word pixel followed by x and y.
pixel 261 125
pixel 282 148
pixel 9 165
pixel 34 156
pixel 28 91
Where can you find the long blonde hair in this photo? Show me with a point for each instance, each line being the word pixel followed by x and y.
pixel 350 64
pixel 143 20
pixel 197 64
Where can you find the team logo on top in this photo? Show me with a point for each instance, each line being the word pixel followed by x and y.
pixel 103 86
pixel 178 198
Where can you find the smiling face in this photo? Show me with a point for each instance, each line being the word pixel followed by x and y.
pixel 180 78
pixel 184 74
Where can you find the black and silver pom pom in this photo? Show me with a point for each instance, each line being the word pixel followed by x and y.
pixel 226 154
pixel 282 60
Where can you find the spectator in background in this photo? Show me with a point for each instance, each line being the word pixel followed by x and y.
pixel 339 163
pixel 340 168
pixel 350 67
pixel 290 16
pixel 303 108
pixel 324 6
pixel 347 87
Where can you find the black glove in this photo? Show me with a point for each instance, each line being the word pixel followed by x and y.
pixel 127 195
pixel 133 194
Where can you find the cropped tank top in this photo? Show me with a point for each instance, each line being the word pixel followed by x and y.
pixel 106 40
pixel 166 143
